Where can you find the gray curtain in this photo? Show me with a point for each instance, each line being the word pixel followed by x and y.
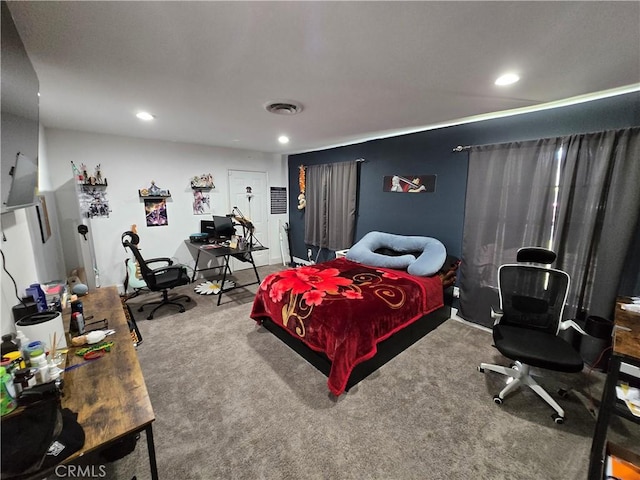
pixel 576 195
pixel 330 214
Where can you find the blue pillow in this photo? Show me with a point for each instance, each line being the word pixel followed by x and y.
pixel 430 260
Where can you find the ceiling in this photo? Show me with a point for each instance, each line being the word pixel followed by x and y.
pixel 361 70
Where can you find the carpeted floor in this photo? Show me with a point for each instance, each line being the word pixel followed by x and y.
pixel 233 402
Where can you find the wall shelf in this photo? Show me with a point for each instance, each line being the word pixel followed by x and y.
pixel 153 195
pixel 94 185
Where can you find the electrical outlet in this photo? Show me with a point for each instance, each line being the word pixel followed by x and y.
pixel 456 292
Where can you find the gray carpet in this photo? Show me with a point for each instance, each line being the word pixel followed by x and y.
pixel 233 402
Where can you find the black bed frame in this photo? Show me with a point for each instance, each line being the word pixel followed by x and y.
pixel 387 349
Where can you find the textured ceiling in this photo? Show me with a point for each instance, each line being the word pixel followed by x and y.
pixel 360 69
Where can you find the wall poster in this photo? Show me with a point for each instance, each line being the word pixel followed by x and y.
pixel 156 212
pixel 409 183
pixel 94 201
pixel 201 202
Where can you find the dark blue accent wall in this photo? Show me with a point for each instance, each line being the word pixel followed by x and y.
pixel 441 214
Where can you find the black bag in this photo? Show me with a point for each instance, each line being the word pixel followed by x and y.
pixel 28 433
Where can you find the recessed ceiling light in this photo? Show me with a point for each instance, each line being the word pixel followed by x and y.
pixel 507 79
pixel 283 139
pixel 145 116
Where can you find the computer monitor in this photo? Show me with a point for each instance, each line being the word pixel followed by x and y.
pixel 224 227
pixel 208 227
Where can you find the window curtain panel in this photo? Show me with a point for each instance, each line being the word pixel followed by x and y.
pixel 330 214
pixel 576 195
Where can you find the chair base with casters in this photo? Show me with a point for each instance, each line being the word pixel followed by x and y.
pixel 166 300
pixel 522 376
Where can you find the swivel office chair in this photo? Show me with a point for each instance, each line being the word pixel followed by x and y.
pixel 161 279
pixel 527 323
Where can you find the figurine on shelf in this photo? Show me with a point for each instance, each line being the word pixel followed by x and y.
pixel 203 181
pixel 85 175
pixel 154 189
pixel 98 175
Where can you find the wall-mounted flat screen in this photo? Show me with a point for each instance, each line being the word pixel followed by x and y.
pixel 24 182
pixel 19 105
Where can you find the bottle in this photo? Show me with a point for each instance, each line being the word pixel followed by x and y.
pixel 76 326
pixel 8 402
pixel 23 341
pixel 17 361
pixel 24 378
pixel 40 362
pixel 77 306
pixel 35 348
pixel 8 344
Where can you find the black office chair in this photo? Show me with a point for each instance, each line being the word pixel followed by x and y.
pixel 161 279
pixel 527 323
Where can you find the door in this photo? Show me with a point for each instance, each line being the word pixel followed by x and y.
pixel 248 196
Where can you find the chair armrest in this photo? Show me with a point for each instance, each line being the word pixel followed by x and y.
pixel 571 324
pixel 168 268
pixel 496 314
pixel 168 261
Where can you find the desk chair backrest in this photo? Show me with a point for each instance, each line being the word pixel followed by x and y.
pixel 132 244
pixel 533 295
pixel 131 240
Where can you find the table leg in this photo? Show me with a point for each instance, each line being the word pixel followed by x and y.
pixel 224 276
pixel 253 264
pixel 152 452
pixel 195 267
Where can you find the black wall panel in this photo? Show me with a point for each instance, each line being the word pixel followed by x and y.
pixel 441 214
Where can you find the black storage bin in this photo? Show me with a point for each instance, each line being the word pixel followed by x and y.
pixel 595 346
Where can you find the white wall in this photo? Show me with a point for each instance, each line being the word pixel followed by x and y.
pixel 130 164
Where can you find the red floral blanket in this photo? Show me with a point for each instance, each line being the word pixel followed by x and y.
pixel 344 309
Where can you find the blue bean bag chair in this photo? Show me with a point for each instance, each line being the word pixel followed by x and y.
pixel 420 256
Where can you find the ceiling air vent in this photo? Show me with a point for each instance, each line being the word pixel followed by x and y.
pixel 283 108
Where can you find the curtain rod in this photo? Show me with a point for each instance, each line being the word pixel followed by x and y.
pixel 460 148
pixel 358 160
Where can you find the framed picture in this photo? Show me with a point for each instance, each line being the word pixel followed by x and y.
pixel 43 219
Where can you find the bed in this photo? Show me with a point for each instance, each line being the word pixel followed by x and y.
pixel 348 318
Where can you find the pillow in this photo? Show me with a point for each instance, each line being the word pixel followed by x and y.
pixel 429 261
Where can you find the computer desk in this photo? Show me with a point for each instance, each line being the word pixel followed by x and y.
pixel 217 251
pixel 108 394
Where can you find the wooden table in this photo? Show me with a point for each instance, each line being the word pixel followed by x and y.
pixel 624 365
pixel 626 337
pixel 109 394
